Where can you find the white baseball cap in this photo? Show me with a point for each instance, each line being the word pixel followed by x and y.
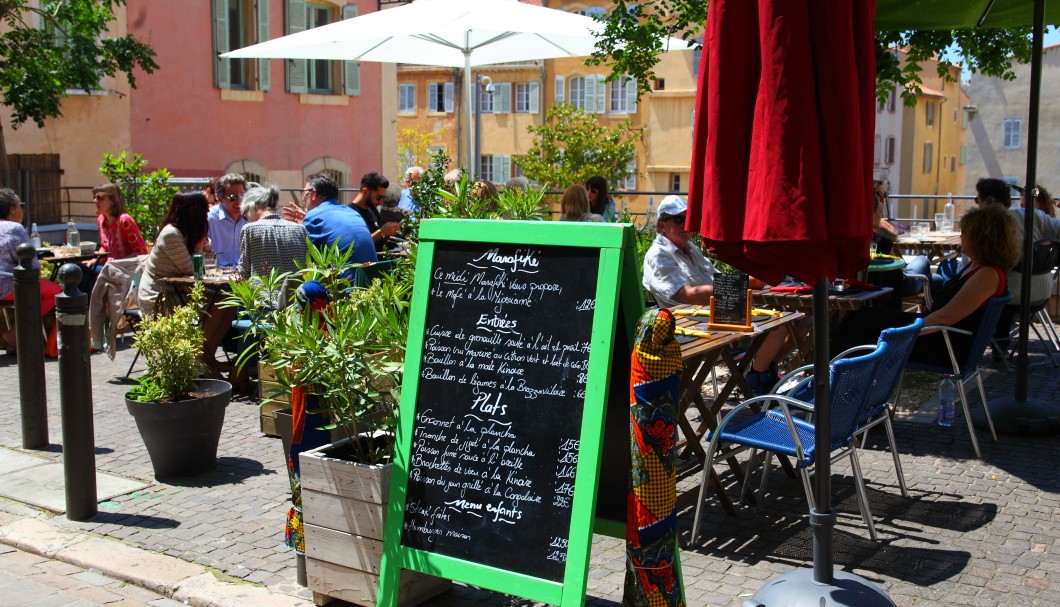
pixel 672 205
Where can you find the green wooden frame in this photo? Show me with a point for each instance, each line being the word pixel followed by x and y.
pixel 618 280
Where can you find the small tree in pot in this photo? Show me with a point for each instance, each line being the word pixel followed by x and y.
pixel 178 415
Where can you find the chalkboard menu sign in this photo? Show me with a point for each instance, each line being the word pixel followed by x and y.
pixel 502 381
pixel 502 417
pixel 730 304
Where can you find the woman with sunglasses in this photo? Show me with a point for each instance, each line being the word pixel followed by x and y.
pixel 118 233
pixel 600 202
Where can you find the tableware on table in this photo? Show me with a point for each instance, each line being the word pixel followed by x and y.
pixel 947 226
pixel 88 247
pixel 839 285
pixel 939 219
pixel 209 261
pixel 197 266
pixel 872 249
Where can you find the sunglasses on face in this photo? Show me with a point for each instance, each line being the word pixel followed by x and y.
pixel 234 197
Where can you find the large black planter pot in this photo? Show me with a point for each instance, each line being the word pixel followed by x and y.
pixel 181 437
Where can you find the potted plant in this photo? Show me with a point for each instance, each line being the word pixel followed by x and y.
pixel 179 415
pixel 343 347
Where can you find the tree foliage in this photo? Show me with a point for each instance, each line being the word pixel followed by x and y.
pixel 572 146
pixel 413 147
pixel 55 45
pixel 633 33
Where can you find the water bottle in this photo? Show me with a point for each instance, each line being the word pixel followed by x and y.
pixel 947 401
pixel 34 236
pixel 73 237
pixel 949 210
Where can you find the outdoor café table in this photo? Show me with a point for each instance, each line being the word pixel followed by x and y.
pixel 937 246
pixel 63 255
pixel 838 305
pixel 181 286
pixel 700 355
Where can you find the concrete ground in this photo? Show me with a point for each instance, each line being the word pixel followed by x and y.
pixel 972 532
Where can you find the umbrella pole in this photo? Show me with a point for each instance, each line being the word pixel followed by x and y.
pixel 468 100
pixel 822 586
pixel 1022 415
pixel 822 517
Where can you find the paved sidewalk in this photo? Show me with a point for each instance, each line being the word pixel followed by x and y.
pixel 972 533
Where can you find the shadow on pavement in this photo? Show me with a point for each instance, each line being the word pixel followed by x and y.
pixel 135 520
pixel 230 470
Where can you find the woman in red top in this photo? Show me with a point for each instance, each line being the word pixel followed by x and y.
pixel 989 239
pixel 118 233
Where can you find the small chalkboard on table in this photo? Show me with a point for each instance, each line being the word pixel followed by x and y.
pixel 730 305
pixel 507 381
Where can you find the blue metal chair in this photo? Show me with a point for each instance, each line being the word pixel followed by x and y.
pixel 779 431
pixel 967 368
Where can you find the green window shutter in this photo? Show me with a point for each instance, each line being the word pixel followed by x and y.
pixel 561 84
pixel 264 76
pixel 498 169
pixel 220 44
pixel 352 69
pixel 297 76
pixel 535 93
pixel 502 98
pixel 631 95
pixel 506 167
pixel 450 106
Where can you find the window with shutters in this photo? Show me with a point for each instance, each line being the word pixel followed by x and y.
pixel 527 98
pixel 877 151
pixel 596 12
pixel 624 96
pixel 929 156
pixel 407 98
pixel 588 93
pixel 1013 136
pixel 675 182
pixel 439 97
pixel 236 24
pixel 929 113
pixel 630 183
pixel 320 76
pixel 889 151
pixel 485 100
pixel 495 168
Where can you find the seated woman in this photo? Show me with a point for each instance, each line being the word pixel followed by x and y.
pixel 12 234
pixel 989 239
pixel 184 232
pixel 574 206
pixel 269 241
pixel 600 201
pixel 118 233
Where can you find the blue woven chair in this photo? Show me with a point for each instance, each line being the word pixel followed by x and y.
pixel 967 368
pixel 778 430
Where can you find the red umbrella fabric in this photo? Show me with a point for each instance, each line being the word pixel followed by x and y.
pixel 782 159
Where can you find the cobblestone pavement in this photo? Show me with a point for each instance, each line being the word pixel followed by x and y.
pixel 972 533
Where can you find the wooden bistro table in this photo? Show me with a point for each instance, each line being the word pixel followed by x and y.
pixel 64 255
pixel 937 246
pixel 700 355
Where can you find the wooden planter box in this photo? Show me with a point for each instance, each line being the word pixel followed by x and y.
pixel 343 506
pixel 266 389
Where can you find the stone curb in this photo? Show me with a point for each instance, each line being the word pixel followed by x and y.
pixel 180 580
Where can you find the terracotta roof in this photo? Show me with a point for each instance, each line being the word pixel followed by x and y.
pixel 930 92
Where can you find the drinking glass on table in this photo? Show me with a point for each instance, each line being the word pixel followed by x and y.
pixel 210 263
pixel 940 219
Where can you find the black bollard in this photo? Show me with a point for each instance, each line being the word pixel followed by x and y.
pixel 75 397
pixel 30 347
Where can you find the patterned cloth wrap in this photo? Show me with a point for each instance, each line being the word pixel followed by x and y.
pixel 652 577
pixel 305 427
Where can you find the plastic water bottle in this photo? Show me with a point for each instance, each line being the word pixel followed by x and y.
pixel 73 237
pixel 949 209
pixel 34 236
pixel 947 401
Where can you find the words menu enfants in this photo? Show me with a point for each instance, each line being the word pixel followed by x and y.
pixel 499 411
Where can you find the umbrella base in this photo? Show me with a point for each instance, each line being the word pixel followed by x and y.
pixel 798 589
pixel 1032 416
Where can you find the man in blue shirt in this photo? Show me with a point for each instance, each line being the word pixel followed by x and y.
pixel 327 220
pixel 407 202
pixel 226 220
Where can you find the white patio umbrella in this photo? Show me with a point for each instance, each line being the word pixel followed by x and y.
pixel 449 33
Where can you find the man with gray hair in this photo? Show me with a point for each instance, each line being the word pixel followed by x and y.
pixel 407 201
pixel 226 220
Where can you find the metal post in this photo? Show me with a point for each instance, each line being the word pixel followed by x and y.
pixel 30 345
pixel 75 396
pixel 822 517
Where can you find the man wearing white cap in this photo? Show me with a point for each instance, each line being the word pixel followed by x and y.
pixel 676 272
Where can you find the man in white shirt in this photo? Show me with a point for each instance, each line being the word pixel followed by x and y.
pixel 677 272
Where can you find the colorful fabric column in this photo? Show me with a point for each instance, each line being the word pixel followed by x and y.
pixel 653 577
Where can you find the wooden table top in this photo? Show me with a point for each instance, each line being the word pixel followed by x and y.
pixel 697 346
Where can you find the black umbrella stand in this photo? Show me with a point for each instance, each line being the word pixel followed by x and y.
pixel 1020 414
pixel 821 586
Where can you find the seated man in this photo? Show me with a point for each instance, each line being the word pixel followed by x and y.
pixel 328 221
pixel 676 272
